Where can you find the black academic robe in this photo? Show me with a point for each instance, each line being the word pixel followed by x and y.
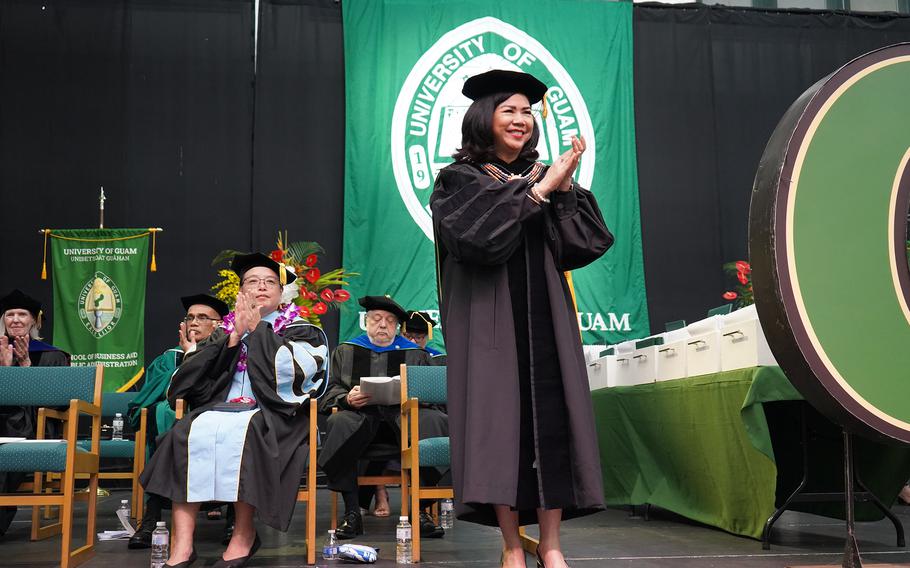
pixel 513 343
pixel 275 445
pixel 21 421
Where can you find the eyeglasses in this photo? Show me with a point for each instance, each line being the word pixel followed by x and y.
pixel 255 283
pixel 203 319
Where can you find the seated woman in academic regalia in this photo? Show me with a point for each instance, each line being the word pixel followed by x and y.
pixel 245 440
pixel 21 346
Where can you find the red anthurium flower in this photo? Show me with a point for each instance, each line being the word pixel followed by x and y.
pixel 312 275
pixel 310 295
pixel 311 260
pixel 277 255
pixel 327 295
pixel 730 295
pixel 743 266
pixel 320 308
pixel 742 278
pixel 342 296
pixel 304 312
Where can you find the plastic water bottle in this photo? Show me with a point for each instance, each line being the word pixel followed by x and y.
pixel 160 541
pixel 403 541
pixel 123 514
pixel 117 427
pixel 330 548
pixel 447 514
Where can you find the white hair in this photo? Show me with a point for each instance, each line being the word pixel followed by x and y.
pixel 32 332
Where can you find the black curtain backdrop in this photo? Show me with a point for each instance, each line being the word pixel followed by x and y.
pixel 711 84
pixel 158 101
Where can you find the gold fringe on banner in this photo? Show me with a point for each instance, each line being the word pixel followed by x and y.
pixel 44 259
pixel 153 267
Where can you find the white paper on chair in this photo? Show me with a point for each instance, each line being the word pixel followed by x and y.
pixel 24 441
pixel 382 390
pixel 10 440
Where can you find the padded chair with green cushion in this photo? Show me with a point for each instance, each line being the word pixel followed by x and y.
pixel 111 404
pixel 79 390
pixel 421 385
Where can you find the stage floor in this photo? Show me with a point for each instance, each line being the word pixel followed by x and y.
pixel 611 538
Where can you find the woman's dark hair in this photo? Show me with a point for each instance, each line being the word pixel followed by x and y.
pixel 477 132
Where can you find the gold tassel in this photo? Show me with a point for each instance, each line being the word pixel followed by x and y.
pixel 153 267
pixel 282 274
pixel 543 102
pixel 44 260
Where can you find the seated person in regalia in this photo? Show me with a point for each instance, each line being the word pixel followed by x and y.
pixel 358 424
pixel 245 439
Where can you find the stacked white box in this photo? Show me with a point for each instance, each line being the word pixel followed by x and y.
pixel 671 356
pixel 743 343
pixel 703 347
pixel 623 375
pixel 599 371
pixel 644 360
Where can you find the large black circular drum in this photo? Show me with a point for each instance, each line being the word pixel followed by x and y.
pixel 828 244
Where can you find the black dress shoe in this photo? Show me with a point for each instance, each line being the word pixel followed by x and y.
pixel 429 529
pixel 185 563
pixel 243 560
pixel 351 526
pixel 142 538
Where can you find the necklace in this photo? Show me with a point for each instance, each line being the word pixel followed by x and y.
pixel 287 314
pixel 532 175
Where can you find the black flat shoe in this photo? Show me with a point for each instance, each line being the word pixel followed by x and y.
pixel 540 563
pixel 429 529
pixel 185 563
pixel 350 527
pixel 243 560
pixel 142 538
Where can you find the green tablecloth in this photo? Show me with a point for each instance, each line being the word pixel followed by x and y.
pixel 701 447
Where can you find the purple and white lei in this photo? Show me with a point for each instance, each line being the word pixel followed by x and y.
pixel 286 315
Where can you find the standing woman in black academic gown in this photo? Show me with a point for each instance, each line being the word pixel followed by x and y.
pixel 507 227
pixel 21 346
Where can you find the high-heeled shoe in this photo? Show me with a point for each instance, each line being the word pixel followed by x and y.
pixel 243 560
pixel 185 564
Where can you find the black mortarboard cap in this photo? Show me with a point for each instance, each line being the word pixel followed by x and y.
pixel 244 262
pixel 17 299
pixel 501 81
pixel 206 300
pixel 383 303
pixel 419 322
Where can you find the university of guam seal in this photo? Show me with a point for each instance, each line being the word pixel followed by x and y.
pixel 426 123
pixel 100 305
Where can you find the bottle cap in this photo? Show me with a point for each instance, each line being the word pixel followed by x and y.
pixel 161 524
pixel 122 501
pixel 331 531
pixel 403 519
pixel 118 415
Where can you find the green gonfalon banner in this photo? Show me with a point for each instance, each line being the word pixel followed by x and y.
pixel 99 299
pixel 405 64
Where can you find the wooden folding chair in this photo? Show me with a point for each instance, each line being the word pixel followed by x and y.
pixel 111 404
pixel 420 385
pixel 78 389
pixel 307 493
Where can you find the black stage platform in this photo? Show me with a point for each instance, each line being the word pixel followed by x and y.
pixel 611 538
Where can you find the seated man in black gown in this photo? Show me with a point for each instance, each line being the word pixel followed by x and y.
pixel 379 352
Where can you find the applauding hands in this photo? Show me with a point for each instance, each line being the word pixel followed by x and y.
pixel 246 316
pixel 16 351
pixel 559 176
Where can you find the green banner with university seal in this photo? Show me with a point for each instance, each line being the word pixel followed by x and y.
pixel 99 280
pixel 405 64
